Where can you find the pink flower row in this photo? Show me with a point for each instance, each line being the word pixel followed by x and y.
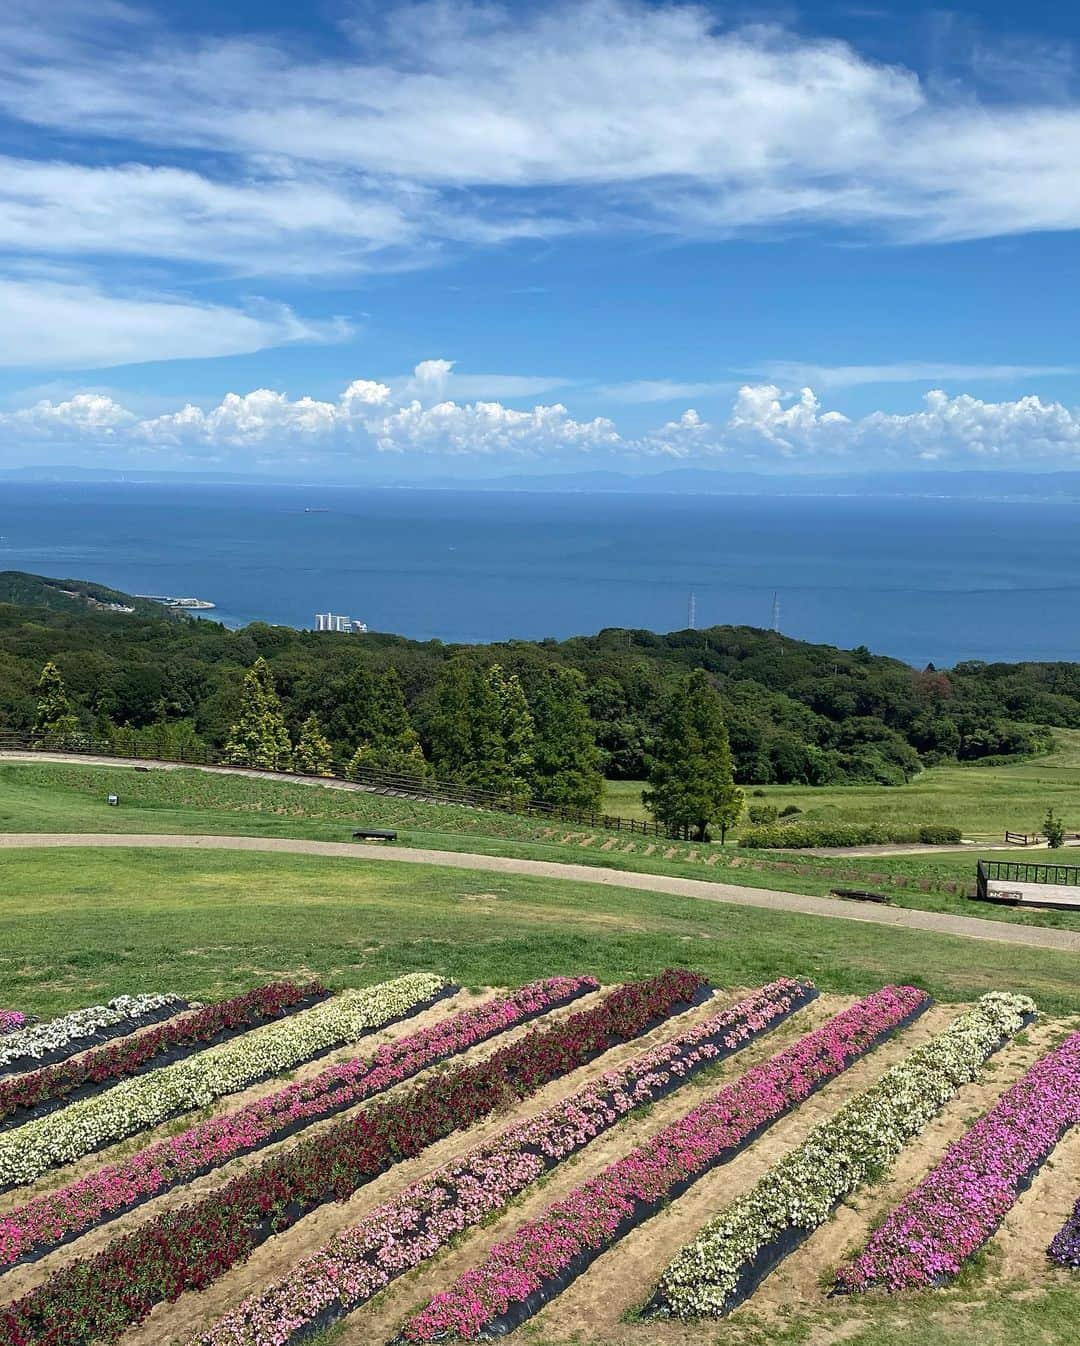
pixel 68 1211
pixel 574 1231
pixel 12 1020
pixel 418 1223
pixel 929 1235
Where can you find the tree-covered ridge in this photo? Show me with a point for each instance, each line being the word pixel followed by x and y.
pixel 794 711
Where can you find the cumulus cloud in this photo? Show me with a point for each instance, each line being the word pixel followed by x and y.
pixel 366 417
pixel 763 427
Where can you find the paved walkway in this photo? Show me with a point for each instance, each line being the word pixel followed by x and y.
pixel 941 923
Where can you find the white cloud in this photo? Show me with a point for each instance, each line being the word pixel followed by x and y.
pixel 439 122
pixel 793 373
pixel 94 415
pixel 60 323
pixel 366 417
pixel 434 380
pixel 489 428
pixel 663 390
pixel 763 427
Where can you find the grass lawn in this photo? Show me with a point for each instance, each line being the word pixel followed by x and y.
pixel 48 796
pixel 81 925
pixel 982 801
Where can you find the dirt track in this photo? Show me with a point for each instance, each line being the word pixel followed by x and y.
pixel 941 923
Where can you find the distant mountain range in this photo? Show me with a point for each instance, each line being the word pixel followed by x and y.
pixel 974 483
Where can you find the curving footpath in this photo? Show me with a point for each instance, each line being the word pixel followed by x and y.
pixel 973 927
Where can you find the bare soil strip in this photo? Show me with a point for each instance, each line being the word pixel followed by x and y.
pixel 1001 932
pixel 194 1312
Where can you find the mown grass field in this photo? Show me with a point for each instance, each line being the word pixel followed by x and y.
pixel 982 801
pixel 78 923
pixel 61 797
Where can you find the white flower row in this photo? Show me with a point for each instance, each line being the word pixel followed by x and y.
pixel 41 1039
pixel 801 1191
pixel 146 1100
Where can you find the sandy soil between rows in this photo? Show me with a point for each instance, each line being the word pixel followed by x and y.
pixel 22 1279
pixel 177 1323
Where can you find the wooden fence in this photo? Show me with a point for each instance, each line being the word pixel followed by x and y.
pixel 370 781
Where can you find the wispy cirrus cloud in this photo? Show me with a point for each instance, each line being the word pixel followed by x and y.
pixel 57 321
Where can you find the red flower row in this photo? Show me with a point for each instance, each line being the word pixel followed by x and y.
pixel 97 1299
pixel 103 1065
pixel 56 1217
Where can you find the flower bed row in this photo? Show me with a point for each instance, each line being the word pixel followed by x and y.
pixel 24 1042
pixel 1065 1246
pixel 95 1300
pixel 418 1223
pixel 133 1105
pixel 545 1255
pixel 928 1236
pixel 12 1020
pixel 29 1232
pixel 730 1257
pixel 45 1090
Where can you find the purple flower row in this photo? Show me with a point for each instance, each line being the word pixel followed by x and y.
pixel 69 1211
pixel 1065 1247
pixel 561 1242
pixel 929 1235
pixel 422 1220
pixel 12 1020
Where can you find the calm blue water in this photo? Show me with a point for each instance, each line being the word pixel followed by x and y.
pixel 939 580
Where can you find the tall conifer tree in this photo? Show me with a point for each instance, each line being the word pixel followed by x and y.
pixel 567 765
pixel 690 779
pixel 55 723
pixel 260 737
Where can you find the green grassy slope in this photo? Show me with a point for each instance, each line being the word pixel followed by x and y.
pixel 981 801
pixel 79 925
pixel 46 797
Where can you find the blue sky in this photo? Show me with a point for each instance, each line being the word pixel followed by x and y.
pixel 435 239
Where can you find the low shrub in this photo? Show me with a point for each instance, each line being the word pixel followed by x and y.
pixel 799 836
pixel 790 810
pixel 937 834
pixel 760 814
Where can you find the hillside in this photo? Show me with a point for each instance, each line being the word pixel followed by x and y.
pixel 797 713
pixel 21 589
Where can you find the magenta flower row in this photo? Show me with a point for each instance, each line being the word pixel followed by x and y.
pixel 12 1020
pixel 1065 1246
pixel 928 1236
pixel 599 1212
pixel 417 1224
pixel 69 1211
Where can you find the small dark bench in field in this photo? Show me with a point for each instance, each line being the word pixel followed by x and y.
pixel 860 895
pixel 374 834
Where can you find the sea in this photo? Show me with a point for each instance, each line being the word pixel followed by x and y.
pixel 923 579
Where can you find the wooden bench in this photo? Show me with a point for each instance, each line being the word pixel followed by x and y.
pixel 374 834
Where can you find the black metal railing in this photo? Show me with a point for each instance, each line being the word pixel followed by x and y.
pixel 1024 871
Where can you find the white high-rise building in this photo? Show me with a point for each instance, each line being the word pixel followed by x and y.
pixel 333 621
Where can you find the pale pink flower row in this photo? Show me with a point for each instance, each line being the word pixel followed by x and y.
pixel 597 1214
pixel 418 1223
pixel 931 1233
pixel 61 1214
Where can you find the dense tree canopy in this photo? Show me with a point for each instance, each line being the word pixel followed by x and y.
pixel 795 712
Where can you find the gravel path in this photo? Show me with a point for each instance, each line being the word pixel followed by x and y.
pixel 941 923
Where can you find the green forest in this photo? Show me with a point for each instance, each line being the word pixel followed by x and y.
pixel 518 716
